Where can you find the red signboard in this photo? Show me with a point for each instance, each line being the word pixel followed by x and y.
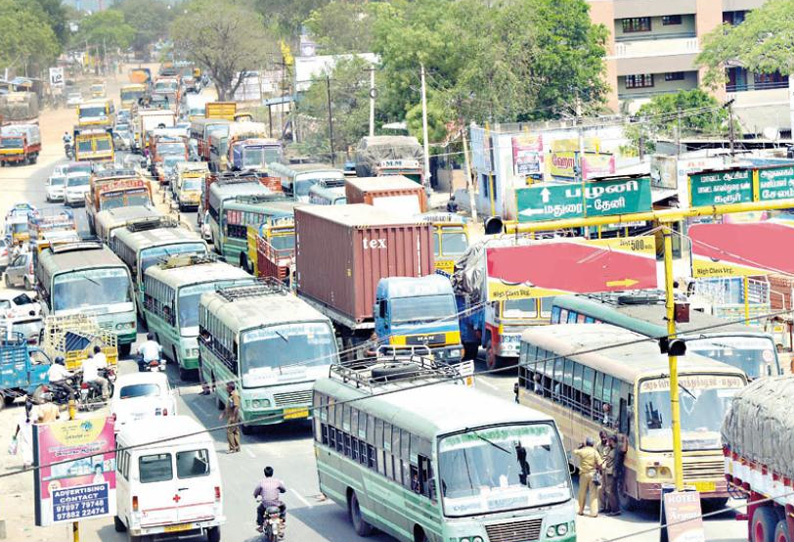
pixel 741 249
pixel 559 267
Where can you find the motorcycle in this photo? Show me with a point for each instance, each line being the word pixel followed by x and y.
pixel 154 366
pixel 91 392
pixel 54 393
pixel 273 528
pixel 68 150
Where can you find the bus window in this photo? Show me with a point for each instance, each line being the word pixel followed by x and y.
pixel 436 245
pixel 454 243
pixel 572 316
pixel 556 315
pixel 546 304
pixel 520 308
pixel 580 319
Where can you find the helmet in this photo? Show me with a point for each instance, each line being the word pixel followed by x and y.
pixel 59 360
pixel 150 336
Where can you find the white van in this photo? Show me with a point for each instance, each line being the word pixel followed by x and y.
pixel 171 487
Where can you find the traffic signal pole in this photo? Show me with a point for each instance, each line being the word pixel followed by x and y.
pixel 663 218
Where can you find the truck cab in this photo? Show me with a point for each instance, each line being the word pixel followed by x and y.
pixel 419 311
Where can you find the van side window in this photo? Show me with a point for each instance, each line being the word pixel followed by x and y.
pixel 155 468
pixel 192 464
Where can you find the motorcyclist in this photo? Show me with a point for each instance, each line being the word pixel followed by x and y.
pixel 58 375
pixel 149 351
pixel 270 490
pixel 67 138
pixel 91 368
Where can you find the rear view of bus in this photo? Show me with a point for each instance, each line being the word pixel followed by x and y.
pixel 408 450
pixel 268 342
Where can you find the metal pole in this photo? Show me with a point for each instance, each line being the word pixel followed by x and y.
pixel 469 186
pixel 675 409
pixel 372 101
pixel 426 180
pixel 491 195
pixel 747 301
pixel 330 119
pixel 731 128
pixel 75 524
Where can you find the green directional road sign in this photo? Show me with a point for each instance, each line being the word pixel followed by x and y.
pixel 600 198
pixel 776 183
pixel 721 187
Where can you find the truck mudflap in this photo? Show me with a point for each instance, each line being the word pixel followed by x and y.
pixel 466 370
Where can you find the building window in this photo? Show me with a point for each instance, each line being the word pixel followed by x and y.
pixel 671 20
pixel 639 81
pixel 733 18
pixel 674 76
pixel 637 24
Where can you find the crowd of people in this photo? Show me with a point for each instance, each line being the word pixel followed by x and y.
pixel 600 474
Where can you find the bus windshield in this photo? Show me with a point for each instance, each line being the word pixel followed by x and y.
pixel 756 356
pixel 131 95
pixel 91 288
pixel 422 309
pixel 96 111
pixel 170 148
pixel 283 242
pixel 153 255
pixel 270 351
pixel 502 468
pixel 520 308
pixel 103 144
pixel 453 243
pixel 704 399
pixel 191 183
pixel 125 199
pixel 261 156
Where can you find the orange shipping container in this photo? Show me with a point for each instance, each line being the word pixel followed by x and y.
pixel 395 193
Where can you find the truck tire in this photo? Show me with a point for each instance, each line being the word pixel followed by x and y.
pixel 781 532
pixel 763 525
pixel 492 361
pixel 118 525
pixel 214 534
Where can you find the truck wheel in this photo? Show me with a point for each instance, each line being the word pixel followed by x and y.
pixel 627 502
pixel 246 429
pixel 763 526
pixel 781 532
pixel 119 525
pixel 214 534
pixel 124 349
pixel 360 525
pixel 492 361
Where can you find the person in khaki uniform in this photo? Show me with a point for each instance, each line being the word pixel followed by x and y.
pixel 602 446
pixel 48 413
pixel 232 415
pixel 609 469
pixel 589 461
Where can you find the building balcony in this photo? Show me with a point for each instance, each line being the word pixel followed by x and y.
pixel 662 45
pixel 653 8
pixel 748 87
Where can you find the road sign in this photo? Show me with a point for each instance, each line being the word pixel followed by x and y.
pixel 721 187
pixel 723 250
pixel 548 268
pixel 776 183
pixel 600 198
pixel 56 77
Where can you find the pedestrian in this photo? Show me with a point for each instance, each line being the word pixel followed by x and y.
pixel 24 434
pixel 608 467
pixel 232 415
pixel 602 447
pixel 589 460
pixel 47 412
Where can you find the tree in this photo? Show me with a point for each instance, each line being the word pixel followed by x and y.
pixel 343 27
pixel 285 19
pixel 55 14
pixel 27 40
pixel 762 43
pixel 693 112
pixel 225 38
pixel 105 30
pixel 150 19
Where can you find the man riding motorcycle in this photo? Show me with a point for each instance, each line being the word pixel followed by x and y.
pixel 270 490
pixel 58 375
pixel 91 368
pixel 148 352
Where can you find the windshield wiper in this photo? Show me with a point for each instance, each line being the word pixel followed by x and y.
pixel 286 340
pixel 492 443
pixel 692 395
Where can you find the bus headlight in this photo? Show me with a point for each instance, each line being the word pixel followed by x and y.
pixel 125 325
pixel 551 532
pixel 651 472
pixel 476 539
pixel 562 529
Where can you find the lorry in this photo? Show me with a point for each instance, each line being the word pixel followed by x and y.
pixel 23 368
pixel 395 193
pixel 140 76
pixel 149 119
pixel 221 147
pixel 93 145
pixel 759 460
pixel 421 311
pixel 377 156
pixel 341 253
pixel 96 113
pixel 48 221
pixel 19 107
pixel 115 189
pixel 19 144
pixel 130 94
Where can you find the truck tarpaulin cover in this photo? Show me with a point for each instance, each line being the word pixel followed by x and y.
pixel 469 276
pixel 759 426
pixel 17 106
pixel 373 150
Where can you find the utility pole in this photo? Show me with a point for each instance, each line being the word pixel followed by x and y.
pixel 372 93
pixel 469 185
pixel 424 128
pixel 580 133
pixel 731 127
pixel 330 119
pixel 678 134
pixel 75 524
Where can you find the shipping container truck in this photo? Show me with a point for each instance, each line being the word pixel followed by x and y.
pixel 759 459
pixel 149 119
pixel 342 252
pixel 377 156
pixel 19 144
pixel 394 193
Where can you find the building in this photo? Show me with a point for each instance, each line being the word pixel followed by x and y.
pixel 652 49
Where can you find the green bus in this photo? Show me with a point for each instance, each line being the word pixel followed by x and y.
pixel 439 463
pixel 171 299
pixel 87 278
pixel 742 346
pixel 144 243
pixel 224 189
pixel 243 211
pixel 270 343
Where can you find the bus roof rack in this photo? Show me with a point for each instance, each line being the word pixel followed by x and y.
pixel 265 286
pixel 151 223
pixel 639 297
pixel 397 367
pixel 261 198
pixel 75 246
pixel 185 260
pixel 114 172
pixel 234 177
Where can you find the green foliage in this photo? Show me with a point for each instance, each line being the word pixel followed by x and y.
pixel 150 19
pixel 105 30
pixel 224 37
pixel 55 15
pixel 343 27
pixel 27 39
pixel 762 43
pixel 700 115
pixel 285 18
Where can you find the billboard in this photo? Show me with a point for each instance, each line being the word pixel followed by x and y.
pixel 598 165
pixel 527 154
pixel 68 490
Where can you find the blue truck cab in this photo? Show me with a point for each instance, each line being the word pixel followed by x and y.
pixel 22 368
pixel 413 311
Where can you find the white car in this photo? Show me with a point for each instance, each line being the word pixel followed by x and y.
pixel 76 187
pixel 73 99
pixel 55 187
pixel 141 395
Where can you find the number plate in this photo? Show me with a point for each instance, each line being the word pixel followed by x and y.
pixel 295 413
pixel 705 487
pixel 177 528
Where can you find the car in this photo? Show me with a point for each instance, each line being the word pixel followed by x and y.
pixel 5 253
pixel 141 395
pixel 76 187
pixel 55 188
pixel 16 305
pixel 73 99
pixel 20 271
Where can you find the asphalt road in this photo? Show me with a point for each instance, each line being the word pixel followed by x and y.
pixel 288 449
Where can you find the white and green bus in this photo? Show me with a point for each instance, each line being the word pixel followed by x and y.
pixel 87 278
pixel 171 293
pixel 144 243
pixel 270 343
pixel 224 189
pixel 434 461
